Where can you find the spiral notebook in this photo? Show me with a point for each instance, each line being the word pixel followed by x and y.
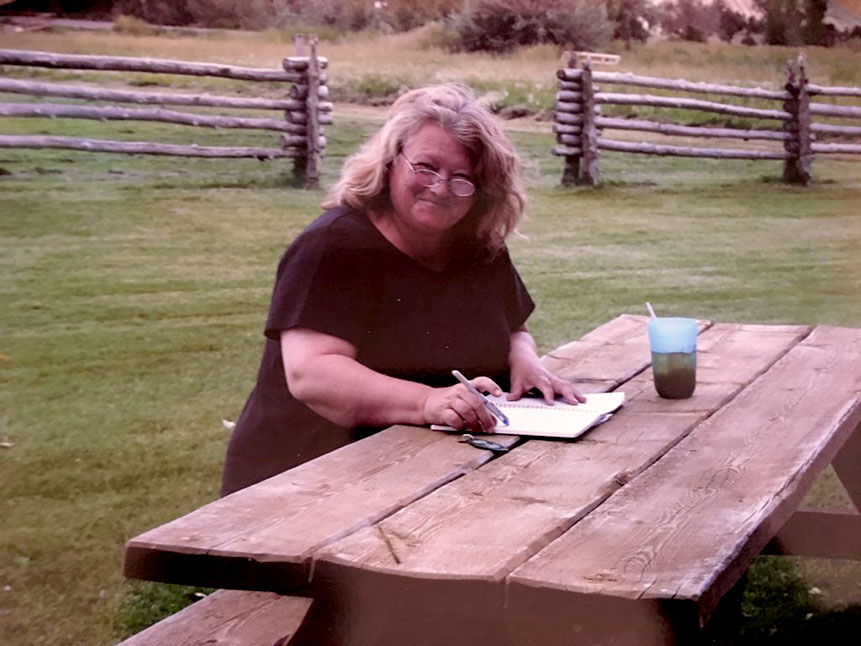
pixel 532 416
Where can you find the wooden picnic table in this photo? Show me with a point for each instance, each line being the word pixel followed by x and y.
pixel 630 534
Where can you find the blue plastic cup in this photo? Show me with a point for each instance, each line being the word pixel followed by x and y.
pixel 673 342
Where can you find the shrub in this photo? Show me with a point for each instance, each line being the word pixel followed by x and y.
pixel 134 26
pixel 156 12
pixel 692 20
pixel 501 25
pixel 408 14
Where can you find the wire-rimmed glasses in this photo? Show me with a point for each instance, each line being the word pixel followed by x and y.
pixel 430 178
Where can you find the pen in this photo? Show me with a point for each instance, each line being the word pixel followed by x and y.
pixel 490 405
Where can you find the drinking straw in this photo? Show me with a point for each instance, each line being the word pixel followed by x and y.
pixel 651 310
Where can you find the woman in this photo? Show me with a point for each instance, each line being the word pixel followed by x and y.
pixel 404 278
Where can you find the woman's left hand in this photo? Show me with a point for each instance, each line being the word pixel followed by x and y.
pixel 526 373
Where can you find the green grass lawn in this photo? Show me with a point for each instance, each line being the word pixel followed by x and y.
pixel 135 291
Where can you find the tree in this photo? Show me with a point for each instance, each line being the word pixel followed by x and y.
pixel 501 25
pixel 815 32
pixel 782 22
pixel 730 22
pixel 631 19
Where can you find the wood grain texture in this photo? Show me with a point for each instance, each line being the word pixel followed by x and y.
pixel 228 618
pixel 687 528
pixel 264 536
pixel 471 533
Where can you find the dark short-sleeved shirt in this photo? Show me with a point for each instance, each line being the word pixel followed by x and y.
pixel 342 277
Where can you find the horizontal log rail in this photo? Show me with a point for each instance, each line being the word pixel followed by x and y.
pixel 303 111
pixel 686 151
pixel 569 74
pixel 687 86
pixel 851 149
pixel 68 91
pixel 833 90
pixel 141 147
pixel 579 124
pixel 689 131
pixel 831 110
pixel 151 65
pixel 833 129
pixel 292 141
pixel 615 98
pixel 112 113
pixel 301 62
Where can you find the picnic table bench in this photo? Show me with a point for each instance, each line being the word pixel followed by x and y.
pixel 631 534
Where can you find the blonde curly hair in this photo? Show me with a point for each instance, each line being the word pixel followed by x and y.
pixel 499 200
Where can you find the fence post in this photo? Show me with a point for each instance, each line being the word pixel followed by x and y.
pixel 312 111
pixel 589 173
pixel 571 169
pixel 797 167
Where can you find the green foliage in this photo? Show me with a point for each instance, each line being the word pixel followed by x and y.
pixel 814 30
pixel 778 608
pixel 409 14
pixel 691 20
pixel 630 18
pixel 146 603
pixel 287 32
pixel 134 26
pixel 157 12
pixel 502 25
pixel 370 89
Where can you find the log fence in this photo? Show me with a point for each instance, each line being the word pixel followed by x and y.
pixel 304 107
pixel 579 123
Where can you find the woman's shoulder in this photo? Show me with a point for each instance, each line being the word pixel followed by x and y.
pixel 337 220
pixel 341 227
pixel 337 235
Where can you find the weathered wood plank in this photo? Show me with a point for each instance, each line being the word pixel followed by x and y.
pixel 687 528
pixel 264 536
pixel 228 618
pixel 458 533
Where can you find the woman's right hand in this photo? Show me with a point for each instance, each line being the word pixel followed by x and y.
pixel 455 406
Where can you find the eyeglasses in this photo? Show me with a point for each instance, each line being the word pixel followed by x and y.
pixel 430 178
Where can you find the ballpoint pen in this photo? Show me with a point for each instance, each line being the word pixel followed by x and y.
pixel 489 404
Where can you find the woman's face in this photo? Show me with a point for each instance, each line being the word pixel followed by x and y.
pixel 422 210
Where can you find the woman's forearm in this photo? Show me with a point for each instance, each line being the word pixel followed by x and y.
pixel 344 391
